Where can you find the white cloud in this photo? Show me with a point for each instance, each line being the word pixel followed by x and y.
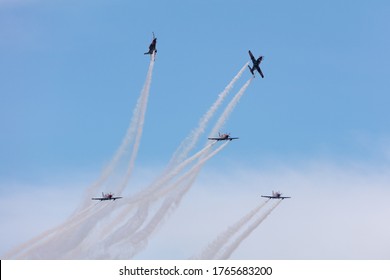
pixel 28 210
pixel 336 212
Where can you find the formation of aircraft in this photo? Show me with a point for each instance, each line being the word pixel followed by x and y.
pixel 275 195
pixel 106 196
pixel 152 46
pixel 223 137
pixel 256 64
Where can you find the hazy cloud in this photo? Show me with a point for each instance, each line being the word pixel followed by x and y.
pixel 336 212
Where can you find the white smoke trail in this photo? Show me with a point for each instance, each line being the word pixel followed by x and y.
pixel 67 237
pixel 89 248
pixel 154 190
pixel 214 248
pixel 193 171
pixel 229 108
pixel 225 115
pixel 21 249
pixel 83 215
pixel 77 237
pixel 171 203
pixel 191 140
pixel 74 237
pixel 229 250
pixel 139 239
pixel 134 131
pixel 140 125
pixel 188 144
pixel 222 119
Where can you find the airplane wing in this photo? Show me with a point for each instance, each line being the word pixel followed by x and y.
pixel 213 138
pixel 232 138
pixel 260 72
pixel 106 198
pixel 275 197
pixel 252 57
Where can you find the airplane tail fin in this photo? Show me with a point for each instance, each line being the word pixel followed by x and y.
pixel 251 69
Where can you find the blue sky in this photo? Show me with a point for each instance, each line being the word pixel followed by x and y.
pixel 71 72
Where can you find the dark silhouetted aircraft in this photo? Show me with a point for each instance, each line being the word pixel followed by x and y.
pixel 276 195
pixel 107 196
pixel 256 64
pixel 223 137
pixel 152 46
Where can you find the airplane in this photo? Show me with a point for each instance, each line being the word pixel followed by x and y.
pixel 276 195
pixel 223 137
pixel 106 196
pixel 152 46
pixel 256 64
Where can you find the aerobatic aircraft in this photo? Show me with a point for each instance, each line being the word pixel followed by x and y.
pixel 152 46
pixel 106 196
pixel 223 137
pixel 275 195
pixel 256 64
